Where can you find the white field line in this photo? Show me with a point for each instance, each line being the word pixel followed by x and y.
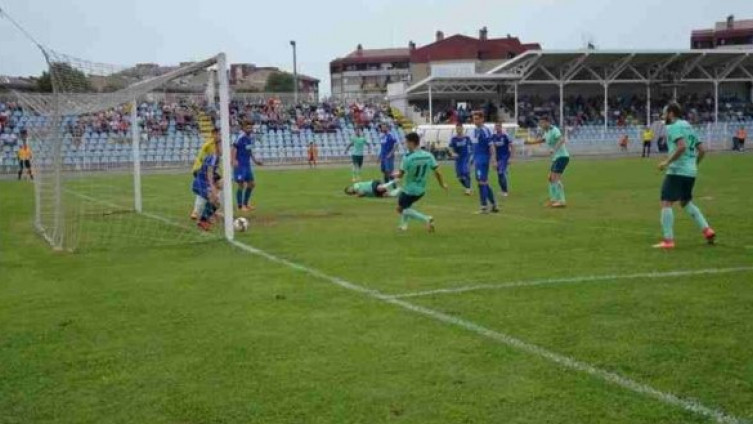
pixel 571 280
pixel 564 361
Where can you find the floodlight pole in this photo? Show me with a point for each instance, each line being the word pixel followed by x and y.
pixel 135 146
pixel 295 72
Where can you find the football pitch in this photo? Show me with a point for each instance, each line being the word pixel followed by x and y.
pixel 324 313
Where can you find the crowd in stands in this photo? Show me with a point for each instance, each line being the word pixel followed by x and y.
pixel 160 118
pixel 623 110
pixel 325 116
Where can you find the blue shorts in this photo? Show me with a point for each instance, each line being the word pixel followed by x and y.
pixel 462 167
pixel 243 175
pixel 502 165
pixel 405 201
pixel 387 165
pixel 559 165
pixel 200 188
pixel 482 170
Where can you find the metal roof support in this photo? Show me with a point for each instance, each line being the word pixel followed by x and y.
pixel 619 67
pixel 653 74
pixel 606 107
pixel 688 68
pixel 716 102
pixel 648 104
pixel 730 66
pixel 517 117
pixel 562 105
pixel 569 70
pixel 431 107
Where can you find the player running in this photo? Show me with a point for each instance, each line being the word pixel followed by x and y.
pixel 387 153
pixel 686 152
pixel 415 167
pixel 243 174
pixel 357 142
pixel 483 151
pixel 560 159
pixel 206 185
pixel 503 148
pixel 24 156
pixel 206 149
pixel 373 188
pixel 460 150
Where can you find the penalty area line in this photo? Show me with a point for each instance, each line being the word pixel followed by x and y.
pixel 564 361
pixel 573 280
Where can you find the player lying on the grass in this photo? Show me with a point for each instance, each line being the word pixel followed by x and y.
pixel 373 188
pixel 206 185
pixel 460 150
pixel 242 155
pixel 686 152
pixel 560 159
pixel 414 170
pixel 357 142
pixel 206 149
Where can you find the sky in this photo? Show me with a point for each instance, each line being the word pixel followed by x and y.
pixel 252 31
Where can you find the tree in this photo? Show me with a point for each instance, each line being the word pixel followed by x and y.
pixel 279 82
pixel 71 80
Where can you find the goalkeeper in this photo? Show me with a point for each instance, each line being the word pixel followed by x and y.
pixel 373 189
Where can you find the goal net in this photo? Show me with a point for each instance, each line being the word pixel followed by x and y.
pixel 115 148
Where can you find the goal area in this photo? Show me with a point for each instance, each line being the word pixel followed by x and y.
pixel 115 150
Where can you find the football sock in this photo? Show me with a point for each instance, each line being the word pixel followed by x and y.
pixel 697 215
pixel 560 192
pixel 239 197
pixel 414 214
pixel 553 192
pixel 667 223
pixel 490 195
pixel 198 204
pixel 503 181
pixel 246 196
pixel 482 195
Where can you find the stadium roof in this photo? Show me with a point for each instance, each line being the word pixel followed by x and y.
pixel 603 67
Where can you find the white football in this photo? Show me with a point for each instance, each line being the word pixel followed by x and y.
pixel 240 224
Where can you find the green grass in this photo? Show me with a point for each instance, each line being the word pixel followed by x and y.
pixel 153 323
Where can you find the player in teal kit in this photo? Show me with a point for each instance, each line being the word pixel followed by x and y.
pixel 560 159
pixel 373 188
pixel 686 152
pixel 414 171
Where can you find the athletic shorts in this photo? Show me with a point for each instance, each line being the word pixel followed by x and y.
pixel 24 163
pixel 374 186
pixel 405 201
pixel 677 188
pixel 357 160
pixel 462 167
pixel 387 166
pixel 243 175
pixel 200 188
pixel 482 170
pixel 502 166
pixel 559 165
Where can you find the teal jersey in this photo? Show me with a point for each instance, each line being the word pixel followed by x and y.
pixel 358 144
pixel 365 188
pixel 552 137
pixel 416 166
pixel 687 164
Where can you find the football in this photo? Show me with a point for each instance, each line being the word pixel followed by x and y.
pixel 240 224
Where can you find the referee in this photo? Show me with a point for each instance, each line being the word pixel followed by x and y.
pixel 24 156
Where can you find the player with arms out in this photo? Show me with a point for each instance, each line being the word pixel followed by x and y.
pixel 206 185
pixel 206 149
pixel 503 148
pixel 387 152
pixel 373 188
pixel 560 159
pixel 686 152
pixel 414 170
pixel 243 174
pixel 460 150
pixel 357 142
pixel 483 151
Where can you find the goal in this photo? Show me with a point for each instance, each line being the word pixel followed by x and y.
pixel 114 150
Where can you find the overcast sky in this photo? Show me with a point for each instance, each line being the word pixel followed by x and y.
pixel 171 31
